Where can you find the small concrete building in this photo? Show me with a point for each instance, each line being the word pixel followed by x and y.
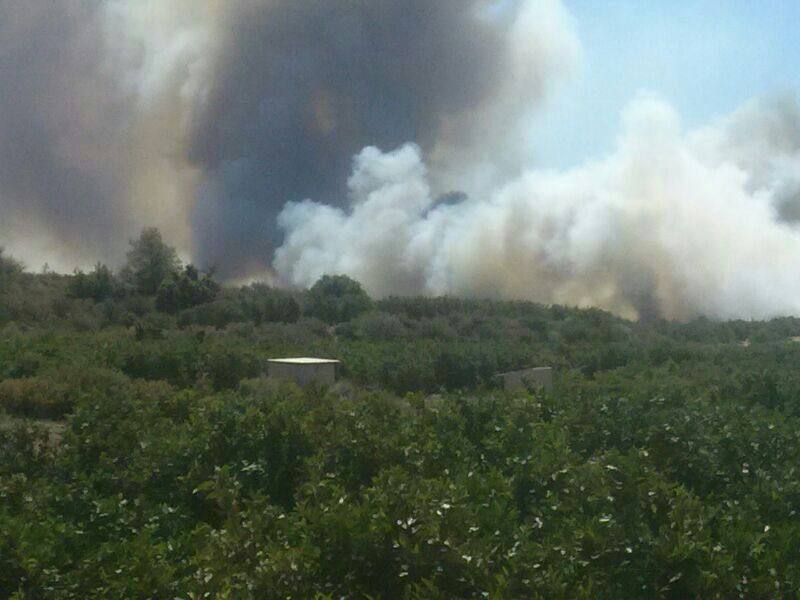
pixel 303 371
pixel 537 378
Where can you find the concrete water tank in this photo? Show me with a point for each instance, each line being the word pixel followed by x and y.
pixel 538 378
pixel 303 371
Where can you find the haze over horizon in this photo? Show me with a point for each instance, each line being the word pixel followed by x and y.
pixel 642 159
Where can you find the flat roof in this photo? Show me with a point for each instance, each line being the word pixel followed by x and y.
pixel 528 370
pixel 304 361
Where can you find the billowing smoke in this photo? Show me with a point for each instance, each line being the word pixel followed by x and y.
pixel 300 87
pixel 205 117
pixel 50 177
pixel 232 125
pixel 90 149
pixel 672 223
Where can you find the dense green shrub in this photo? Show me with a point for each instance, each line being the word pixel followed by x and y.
pixel 9 268
pixel 218 313
pixel 336 298
pixel 663 464
pixel 98 285
pixel 257 304
pixel 150 262
pixel 379 326
pixel 226 367
pixel 34 397
pixel 152 327
pixel 54 393
pixel 185 289
pixel 263 304
pixel 273 492
pixel 23 364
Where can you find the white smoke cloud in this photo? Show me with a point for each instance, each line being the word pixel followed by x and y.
pixel 762 138
pixel 159 55
pixel 204 116
pixel 674 223
pixel 477 148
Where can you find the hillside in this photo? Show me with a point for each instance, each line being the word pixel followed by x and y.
pixel 143 453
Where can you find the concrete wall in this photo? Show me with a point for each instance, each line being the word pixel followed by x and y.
pixel 303 374
pixel 538 378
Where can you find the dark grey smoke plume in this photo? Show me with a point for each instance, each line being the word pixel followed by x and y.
pixel 298 88
pixel 53 116
pixel 93 94
pixel 205 117
pixel 233 125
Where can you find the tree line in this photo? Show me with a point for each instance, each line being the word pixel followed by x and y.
pixel 143 452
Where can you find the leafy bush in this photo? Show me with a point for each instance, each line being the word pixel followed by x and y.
pixel 218 313
pixel 226 367
pixel 185 289
pixel 380 326
pixel 54 393
pixel 152 327
pixel 9 268
pixel 273 492
pixel 663 463
pixel 34 397
pixel 262 304
pixel 24 364
pixel 336 298
pixel 98 285
pixel 150 262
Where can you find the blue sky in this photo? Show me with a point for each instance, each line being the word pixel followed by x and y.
pixel 705 57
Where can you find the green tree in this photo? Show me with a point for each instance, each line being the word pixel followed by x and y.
pixel 150 262
pixel 337 298
pixel 97 285
pixel 263 304
pixel 9 267
pixel 185 289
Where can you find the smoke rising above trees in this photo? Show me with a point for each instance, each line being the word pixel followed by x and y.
pixel 673 223
pixel 232 126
